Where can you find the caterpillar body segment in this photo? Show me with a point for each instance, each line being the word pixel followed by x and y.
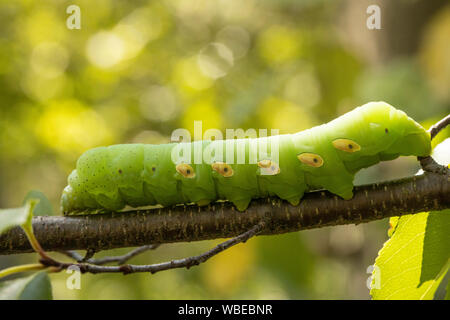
pixel 238 170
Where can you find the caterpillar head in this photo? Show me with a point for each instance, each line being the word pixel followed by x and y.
pixel 392 132
pixel 412 138
pixel 377 132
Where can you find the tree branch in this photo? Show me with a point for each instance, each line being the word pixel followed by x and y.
pixel 429 191
pixel 153 268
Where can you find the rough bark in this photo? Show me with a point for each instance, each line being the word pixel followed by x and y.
pixel 430 191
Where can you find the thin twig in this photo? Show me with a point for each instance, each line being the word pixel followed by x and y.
pixel 153 268
pixel 110 259
pixel 428 163
pixel 88 255
pixel 439 126
pixel 72 254
pixel 124 258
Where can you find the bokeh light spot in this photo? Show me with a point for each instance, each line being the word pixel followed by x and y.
pixel 215 60
pixel 189 76
pixel 105 49
pixel 159 103
pixel 284 115
pixel 69 127
pixel 279 44
pixel 49 59
pixel 235 38
pixel 206 112
pixel 303 89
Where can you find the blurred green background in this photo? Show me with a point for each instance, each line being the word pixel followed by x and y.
pixel 137 70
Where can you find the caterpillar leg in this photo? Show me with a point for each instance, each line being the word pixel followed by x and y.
pixel 346 195
pixel 290 193
pixel 344 191
pixel 203 202
pixel 241 204
pixel 341 186
pixel 294 200
pixel 111 202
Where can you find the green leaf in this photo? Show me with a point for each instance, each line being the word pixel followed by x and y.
pixel 10 218
pixel 412 264
pixel 34 287
pixel 44 207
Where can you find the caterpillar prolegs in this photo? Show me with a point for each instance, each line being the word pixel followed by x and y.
pixel 323 157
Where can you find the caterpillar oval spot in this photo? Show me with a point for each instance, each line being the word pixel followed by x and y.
pixel 264 163
pixel 269 168
pixel 346 145
pixel 311 159
pixel 222 169
pixel 185 170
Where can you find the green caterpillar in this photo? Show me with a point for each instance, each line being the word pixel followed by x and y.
pixel 324 157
